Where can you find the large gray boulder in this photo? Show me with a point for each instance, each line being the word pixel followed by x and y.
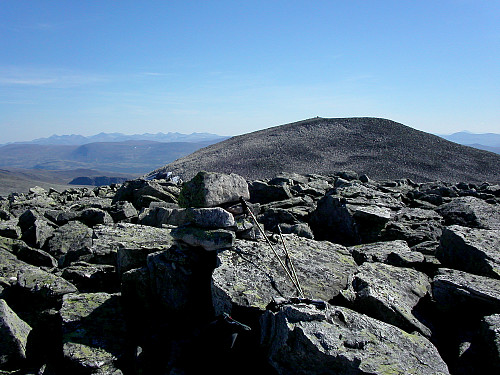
pixel 472 250
pixel 208 189
pixel 249 275
pixel 13 336
pixel 304 340
pixel 456 290
pixel 390 294
pixel 471 212
pixel 94 333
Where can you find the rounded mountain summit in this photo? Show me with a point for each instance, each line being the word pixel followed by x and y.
pixel 379 148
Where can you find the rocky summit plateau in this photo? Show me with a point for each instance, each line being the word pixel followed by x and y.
pixel 337 273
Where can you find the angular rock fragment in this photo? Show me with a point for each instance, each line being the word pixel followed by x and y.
pixel 471 212
pixel 262 192
pixel 249 275
pixel 456 291
pixel 472 250
pixel 13 336
pixel 208 189
pixel 94 333
pixel 305 340
pixel 94 216
pixel 123 211
pixel 396 253
pixel 89 278
pixel 141 192
pixel 414 225
pixel 10 229
pixel 490 340
pixel 73 238
pixel 390 294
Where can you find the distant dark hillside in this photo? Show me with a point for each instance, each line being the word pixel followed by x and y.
pixel 132 157
pixel 21 180
pixel 381 148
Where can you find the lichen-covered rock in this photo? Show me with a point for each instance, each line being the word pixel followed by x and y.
pixel 134 242
pixel 390 294
pixel 396 253
pixel 471 212
pixel 305 340
pixel 414 225
pixel 73 237
pixel 10 229
pixel 43 286
pixel 94 216
pixel 249 275
pixel 209 239
pixel 36 257
pixel 455 290
pixel 472 250
pixel 94 333
pixel 123 211
pixel 13 336
pixel 208 189
pixel 89 278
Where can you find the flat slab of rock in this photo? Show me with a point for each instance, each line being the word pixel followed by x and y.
pixel 472 250
pixel 390 294
pixel 127 245
pixel 453 289
pixel 209 239
pixel 208 189
pixel 13 336
pixel 305 340
pixel 249 275
pixel 215 217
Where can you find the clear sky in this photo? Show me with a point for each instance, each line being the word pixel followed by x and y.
pixel 232 67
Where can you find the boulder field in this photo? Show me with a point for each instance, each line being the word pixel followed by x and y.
pixel 298 274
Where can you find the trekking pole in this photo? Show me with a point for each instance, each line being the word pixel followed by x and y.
pixel 292 267
pixel 245 206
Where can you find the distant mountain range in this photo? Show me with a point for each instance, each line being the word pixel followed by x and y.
pixel 76 139
pixel 381 148
pixel 485 141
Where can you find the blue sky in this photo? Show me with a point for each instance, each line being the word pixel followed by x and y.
pixel 232 67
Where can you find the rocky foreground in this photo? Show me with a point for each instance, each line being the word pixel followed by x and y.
pixel 165 277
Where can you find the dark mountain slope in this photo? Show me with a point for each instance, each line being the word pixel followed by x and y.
pixel 381 148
